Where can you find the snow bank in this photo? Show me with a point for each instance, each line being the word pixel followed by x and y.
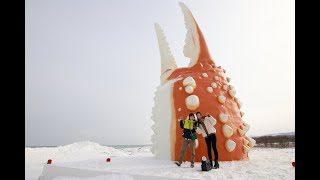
pixel 140 163
pixel 35 158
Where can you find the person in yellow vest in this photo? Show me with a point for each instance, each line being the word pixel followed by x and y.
pixel 206 128
pixel 188 126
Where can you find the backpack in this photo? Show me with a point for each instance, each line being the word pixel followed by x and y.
pixel 206 165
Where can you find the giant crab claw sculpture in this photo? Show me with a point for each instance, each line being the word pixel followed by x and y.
pixel 200 87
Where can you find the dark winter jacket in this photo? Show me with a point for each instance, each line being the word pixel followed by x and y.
pixel 187 130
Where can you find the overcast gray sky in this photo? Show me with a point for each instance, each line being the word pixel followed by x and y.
pixel 92 66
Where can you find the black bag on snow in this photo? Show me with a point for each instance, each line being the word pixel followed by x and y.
pixel 206 165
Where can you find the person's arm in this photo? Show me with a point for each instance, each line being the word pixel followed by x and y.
pixel 212 120
pixel 195 126
pixel 193 130
pixel 181 124
pixel 198 130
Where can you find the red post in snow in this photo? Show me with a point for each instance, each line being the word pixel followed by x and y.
pixel 49 161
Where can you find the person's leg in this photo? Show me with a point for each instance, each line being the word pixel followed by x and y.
pixel 208 142
pixel 193 151
pixel 214 147
pixel 183 150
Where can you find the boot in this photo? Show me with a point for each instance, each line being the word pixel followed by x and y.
pixel 192 165
pixel 178 163
pixel 216 164
pixel 211 163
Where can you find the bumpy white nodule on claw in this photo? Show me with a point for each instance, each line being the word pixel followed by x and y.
pixel 238 102
pixel 204 75
pixel 227 131
pixel 241 132
pixel 223 117
pixel 216 78
pixel 222 99
pixel 246 124
pixel 180 88
pixel 223 75
pixel 230 145
pixel 241 113
pixel 232 92
pixel 192 102
pixel 245 141
pixel 225 87
pixel 189 89
pixel 189 81
pixel 214 85
pixel 246 148
pixel 252 142
pixel 245 128
pixel 209 89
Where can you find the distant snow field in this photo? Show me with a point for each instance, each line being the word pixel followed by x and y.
pixel 140 163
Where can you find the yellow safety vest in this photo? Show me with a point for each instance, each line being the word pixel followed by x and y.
pixel 188 124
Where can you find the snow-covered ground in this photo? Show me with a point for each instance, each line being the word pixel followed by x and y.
pixel 127 163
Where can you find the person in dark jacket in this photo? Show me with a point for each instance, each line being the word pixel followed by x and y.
pixel 188 126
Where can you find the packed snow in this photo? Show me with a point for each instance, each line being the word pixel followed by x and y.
pixel 140 163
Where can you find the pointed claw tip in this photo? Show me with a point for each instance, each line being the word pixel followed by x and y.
pixel 181 4
pixel 183 7
pixel 157 26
